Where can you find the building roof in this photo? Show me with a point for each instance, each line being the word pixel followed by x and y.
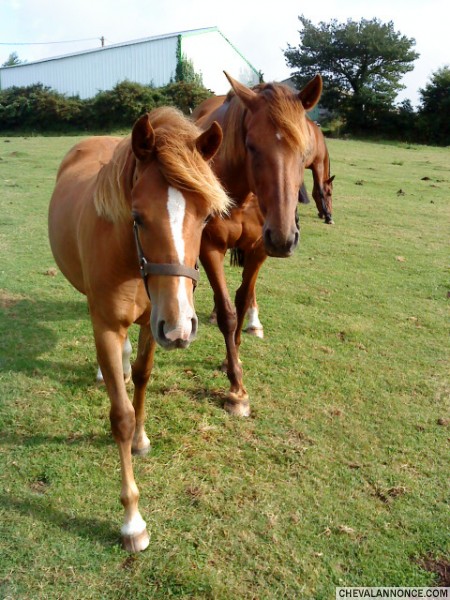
pixel 185 33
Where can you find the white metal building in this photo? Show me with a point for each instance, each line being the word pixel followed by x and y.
pixel 150 60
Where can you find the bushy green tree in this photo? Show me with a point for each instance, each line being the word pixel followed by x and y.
pixel 13 60
pixel 361 63
pixel 435 108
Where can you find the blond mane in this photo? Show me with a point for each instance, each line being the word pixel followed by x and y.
pixel 285 111
pixel 180 162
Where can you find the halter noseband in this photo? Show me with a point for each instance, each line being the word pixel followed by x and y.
pixel 174 269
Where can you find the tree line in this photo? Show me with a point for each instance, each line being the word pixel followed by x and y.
pixel 362 64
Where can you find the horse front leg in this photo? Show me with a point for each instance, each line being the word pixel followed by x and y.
pixel 237 402
pixel 126 365
pixel 109 346
pixel 141 372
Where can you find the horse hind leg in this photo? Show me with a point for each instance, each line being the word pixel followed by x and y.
pixel 126 365
pixel 254 325
pixel 126 354
pixel 142 369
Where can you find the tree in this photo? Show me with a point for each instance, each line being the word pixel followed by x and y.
pixel 361 64
pixel 13 60
pixel 435 108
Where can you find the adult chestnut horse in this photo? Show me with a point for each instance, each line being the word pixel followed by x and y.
pixel 125 224
pixel 318 160
pixel 266 140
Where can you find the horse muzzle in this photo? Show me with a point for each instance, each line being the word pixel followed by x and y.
pixel 278 245
pixel 175 336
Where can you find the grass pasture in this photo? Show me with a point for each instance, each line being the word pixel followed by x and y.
pixel 340 477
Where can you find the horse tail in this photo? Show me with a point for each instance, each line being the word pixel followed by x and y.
pixel 237 257
pixel 303 197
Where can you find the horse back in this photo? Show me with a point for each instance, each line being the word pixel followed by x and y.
pixel 318 149
pixel 205 112
pixel 71 209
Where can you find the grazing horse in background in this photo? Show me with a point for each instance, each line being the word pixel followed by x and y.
pixel 125 225
pixel 318 160
pixel 265 145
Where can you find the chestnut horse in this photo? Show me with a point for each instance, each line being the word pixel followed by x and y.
pixel 265 144
pixel 318 160
pixel 125 224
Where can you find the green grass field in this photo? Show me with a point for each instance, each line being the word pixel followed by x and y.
pixel 339 478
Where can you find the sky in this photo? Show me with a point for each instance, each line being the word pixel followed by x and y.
pixel 260 29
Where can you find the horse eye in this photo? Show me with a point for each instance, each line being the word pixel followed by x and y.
pixel 251 148
pixel 137 218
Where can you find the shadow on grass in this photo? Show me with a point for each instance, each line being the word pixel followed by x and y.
pixel 30 441
pixel 26 337
pixel 42 509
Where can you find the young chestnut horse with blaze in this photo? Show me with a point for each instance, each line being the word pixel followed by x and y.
pixel 266 141
pixel 125 224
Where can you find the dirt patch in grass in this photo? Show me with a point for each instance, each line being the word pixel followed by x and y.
pixel 440 567
pixel 8 300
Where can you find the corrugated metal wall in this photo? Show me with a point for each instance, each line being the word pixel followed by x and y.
pixel 84 74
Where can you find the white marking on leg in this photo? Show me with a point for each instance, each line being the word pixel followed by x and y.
pixel 126 353
pixel 176 206
pixel 253 318
pixel 135 526
pixel 99 377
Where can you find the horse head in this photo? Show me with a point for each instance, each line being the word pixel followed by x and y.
pixel 276 140
pixel 327 199
pixel 173 192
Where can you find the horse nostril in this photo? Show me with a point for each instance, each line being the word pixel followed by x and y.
pixel 267 238
pixel 194 322
pixel 296 238
pixel 161 334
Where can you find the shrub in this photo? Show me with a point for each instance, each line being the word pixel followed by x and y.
pixel 121 106
pixel 38 107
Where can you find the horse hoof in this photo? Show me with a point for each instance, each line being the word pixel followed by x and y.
pixel 136 542
pixel 256 331
pixel 140 451
pixel 141 444
pixel 237 405
pixel 99 381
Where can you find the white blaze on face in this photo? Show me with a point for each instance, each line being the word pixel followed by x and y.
pixel 176 207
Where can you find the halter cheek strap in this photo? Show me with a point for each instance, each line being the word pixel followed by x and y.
pixel 171 269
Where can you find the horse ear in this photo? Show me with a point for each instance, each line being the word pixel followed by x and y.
pixel 331 179
pixel 209 141
pixel 143 138
pixel 310 94
pixel 244 93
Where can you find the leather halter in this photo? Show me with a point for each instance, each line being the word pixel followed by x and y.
pixel 172 269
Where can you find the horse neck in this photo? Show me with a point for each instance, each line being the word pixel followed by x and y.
pixel 230 162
